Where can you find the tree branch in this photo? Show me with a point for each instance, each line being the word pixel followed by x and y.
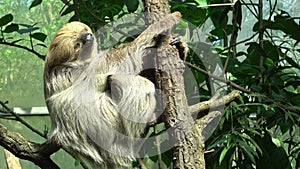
pixel 230 83
pixel 214 103
pixel 25 48
pixel 208 123
pixel 39 154
pixel 18 118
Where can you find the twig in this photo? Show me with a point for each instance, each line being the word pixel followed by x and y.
pixel 215 5
pixel 76 7
pixel 142 164
pixel 209 151
pixel 254 13
pixel 240 42
pixel 25 48
pixel 230 83
pixel 261 37
pixel 240 88
pixel 160 161
pixel 18 118
pixel 101 20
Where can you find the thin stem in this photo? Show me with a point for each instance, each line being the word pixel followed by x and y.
pixel 240 42
pixel 25 48
pixel 230 83
pixel 18 118
pixel 76 7
pixel 160 161
pixel 260 36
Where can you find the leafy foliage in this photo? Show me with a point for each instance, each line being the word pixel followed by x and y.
pixel 255 129
pixel 259 54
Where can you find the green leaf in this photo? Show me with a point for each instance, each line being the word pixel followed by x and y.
pixel 288 25
pixel 6 19
pixel 31 29
pixel 250 152
pixel 154 158
pixel 264 25
pixel 276 141
pixel 39 36
pixel 223 153
pixel 273 156
pixel 132 5
pixel 166 158
pixel 254 51
pixel 271 51
pixel 281 22
pixel 68 10
pixel 11 28
pixel 238 9
pixel 35 3
pixel 292 62
pixel 222 32
pixel 201 2
pixel 220 140
pixel 246 136
pixel 227 114
pixel 268 62
pixel 295 99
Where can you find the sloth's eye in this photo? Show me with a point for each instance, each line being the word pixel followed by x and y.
pixel 78 47
pixel 77 44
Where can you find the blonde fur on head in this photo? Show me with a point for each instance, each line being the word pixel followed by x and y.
pixel 63 46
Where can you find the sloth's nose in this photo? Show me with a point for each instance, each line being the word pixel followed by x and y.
pixel 87 38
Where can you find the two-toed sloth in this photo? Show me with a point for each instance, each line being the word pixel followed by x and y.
pixel 98 102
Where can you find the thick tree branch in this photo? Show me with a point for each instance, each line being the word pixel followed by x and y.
pixel 214 103
pixel 39 154
pixel 208 123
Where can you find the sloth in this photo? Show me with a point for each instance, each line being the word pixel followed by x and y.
pixel 98 103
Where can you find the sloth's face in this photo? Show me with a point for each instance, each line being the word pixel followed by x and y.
pixel 84 46
pixel 72 42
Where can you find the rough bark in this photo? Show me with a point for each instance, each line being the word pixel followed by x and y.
pixel 188 149
pixel 39 154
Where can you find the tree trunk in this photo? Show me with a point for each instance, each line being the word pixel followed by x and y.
pixel 188 150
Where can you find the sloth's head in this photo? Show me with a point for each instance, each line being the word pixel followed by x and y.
pixel 74 41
